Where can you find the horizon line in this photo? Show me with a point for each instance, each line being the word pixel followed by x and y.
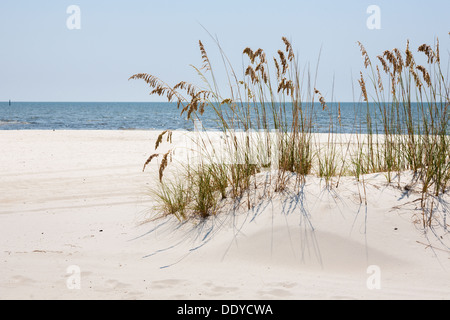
pixel 174 102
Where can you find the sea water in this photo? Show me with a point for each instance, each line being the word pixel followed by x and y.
pixel 162 116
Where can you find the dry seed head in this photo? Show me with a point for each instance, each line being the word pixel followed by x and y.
pixel 362 84
pixel 438 55
pixel 191 107
pixel 277 66
pixel 321 99
pixel 384 64
pixel 250 54
pixel 252 74
pixel 159 139
pixel 409 56
pixel 159 87
pixel 163 165
pixel 289 86
pixel 150 160
pixel 393 83
pixel 425 74
pixel 206 64
pixel 285 85
pixel 180 85
pixel 258 53
pixel 283 61
pixel 399 57
pixel 323 103
pixel 249 94
pixel 262 58
pixel 253 55
pixel 367 62
pixel 380 82
pixel 426 49
pixel 392 60
pixel 288 49
pixel 260 68
pixel 388 55
pixel 226 101
pixel 202 108
pixel 264 75
pixel 281 85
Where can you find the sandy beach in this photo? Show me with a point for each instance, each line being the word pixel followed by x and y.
pixel 80 198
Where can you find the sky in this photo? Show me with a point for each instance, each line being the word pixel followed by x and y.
pixel 41 59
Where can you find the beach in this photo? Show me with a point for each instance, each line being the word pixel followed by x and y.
pixel 81 199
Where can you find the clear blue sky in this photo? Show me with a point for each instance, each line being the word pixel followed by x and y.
pixel 42 60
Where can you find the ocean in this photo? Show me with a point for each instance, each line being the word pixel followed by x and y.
pixel 146 116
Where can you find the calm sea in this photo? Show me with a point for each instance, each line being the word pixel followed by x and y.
pixel 139 116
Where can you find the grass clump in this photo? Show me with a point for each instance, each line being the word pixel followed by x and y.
pixel 412 118
pixel 267 122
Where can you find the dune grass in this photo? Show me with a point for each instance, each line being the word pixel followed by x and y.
pixel 412 119
pixel 267 122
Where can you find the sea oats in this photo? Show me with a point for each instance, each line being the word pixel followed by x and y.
pixel 393 82
pixel 201 108
pixel 362 84
pixel 425 74
pixel 428 51
pixel 392 60
pixel 367 62
pixel 265 76
pixel 399 57
pixel 281 85
pixel 289 86
pixel 150 160
pixel 250 54
pixel 159 87
pixel 159 139
pixel 163 165
pixel 258 53
pixel 380 82
pixel 321 99
pixel 288 49
pixel 384 64
pixel 262 58
pixel 438 55
pixel 277 66
pixel 409 56
pixel 252 74
pixel 283 62
pixel 206 63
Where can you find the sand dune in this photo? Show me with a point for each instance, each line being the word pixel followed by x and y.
pixel 78 198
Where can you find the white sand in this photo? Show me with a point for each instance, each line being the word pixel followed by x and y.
pixel 78 198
